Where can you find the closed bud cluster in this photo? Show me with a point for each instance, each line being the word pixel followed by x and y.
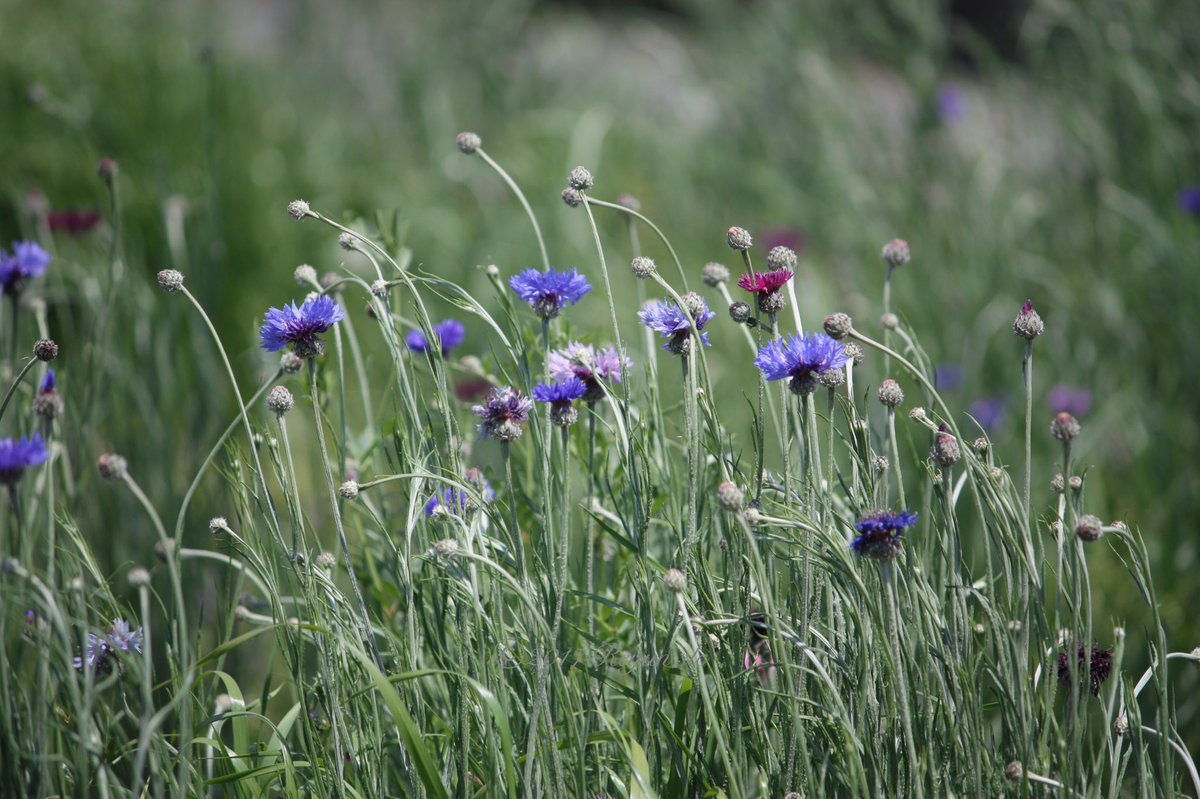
pixel 738 239
pixel 643 267
pixel 572 197
pixel 838 326
pixel 112 466
pixel 675 581
pixel 45 350
pixel 740 312
pixel 1028 325
pixel 170 280
pixel 895 253
pixel 891 395
pixel 349 490
pixel 855 353
pixel 730 497
pixel 781 258
pixel 580 179
pixel 1064 427
pixel 279 400
pixel 305 275
pixel 298 210
pixel 714 274
pixel 945 451
pixel 1089 528
pixel 468 142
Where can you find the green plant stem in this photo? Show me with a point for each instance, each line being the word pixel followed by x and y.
pixel 1027 373
pixel 13 388
pixel 512 184
pixel 891 424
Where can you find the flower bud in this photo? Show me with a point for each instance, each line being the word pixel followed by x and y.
pixel 1057 485
pixel 305 275
pixel 890 394
pixel 895 253
pixel 981 445
pixel 643 267
pixel 45 350
pixel 781 258
pixel 326 560
pixel 349 490
pixel 945 451
pixel 1064 427
pixel 714 274
pixel 290 362
pixel 855 353
pixel 139 577
pixel 730 497
pixel 298 210
pixel 889 321
pixel 108 170
pixel 1028 325
pixel 740 312
pixel 580 179
pixel 880 463
pixel 1089 528
pixel 838 326
pixel 675 581
pixel 279 400
pixel 1014 771
pixel 572 197
pixel 738 239
pixel 468 142
pixel 112 466
pixel 170 280
pixel 347 242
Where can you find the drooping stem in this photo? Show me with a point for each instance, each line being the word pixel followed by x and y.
pixel 13 388
pixel 512 184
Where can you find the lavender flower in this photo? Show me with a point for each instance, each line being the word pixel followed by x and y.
pixel 879 534
pixel 299 326
pixel 549 292
pixel 1075 401
pixel 584 362
pixel 449 333
pixel 47 403
pixel 560 395
pixel 951 105
pixel 802 359
pixel 948 377
pixel 988 412
pixel 669 320
pixel 101 650
pixel 20 454
pixel 27 261
pixel 504 414
pixel 1188 200
pixel 451 499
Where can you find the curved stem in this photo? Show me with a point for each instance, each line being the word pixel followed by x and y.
pixel 512 184
pixel 13 388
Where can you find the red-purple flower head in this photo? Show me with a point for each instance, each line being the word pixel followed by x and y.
pixel 765 287
pixel 592 367
pixel 879 534
pixel 27 261
pixel 449 334
pixel 800 359
pixel 1101 667
pixel 17 455
pixel 549 292
pixel 300 326
pixel 73 223
pixel 561 396
pixel 503 414
pixel 671 321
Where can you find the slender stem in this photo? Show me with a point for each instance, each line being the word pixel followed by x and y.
pixel 13 388
pixel 692 444
pixel 891 422
pixel 1027 372
pixel 661 236
pixel 512 184
pixel 910 746
pixel 887 309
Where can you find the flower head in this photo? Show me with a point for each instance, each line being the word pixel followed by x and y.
pixel 101 650
pixel 451 500
pixel 560 395
pixel 1028 324
pixel 879 534
pixel 988 412
pixel 1188 200
pixel 73 223
pixel 951 105
pixel 49 382
pixel 299 326
pixel 802 359
pixel 549 292
pixel 672 322
pixel 449 334
pixel 17 455
pixel 584 362
pixel 1075 401
pixel 47 403
pixel 765 286
pixel 1101 667
pixel 27 261
pixel 503 414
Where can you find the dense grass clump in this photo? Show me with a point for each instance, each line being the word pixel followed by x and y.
pixel 581 560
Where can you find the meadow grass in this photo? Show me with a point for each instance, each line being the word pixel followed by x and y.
pixel 529 643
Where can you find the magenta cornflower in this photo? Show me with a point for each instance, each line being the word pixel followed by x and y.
pixel 17 455
pixel 504 414
pixel 300 326
pixel 27 261
pixel 879 534
pixel 72 223
pixel 800 359
pixel 669 320
pixel 549 292
pixel 449 334
pixel 765 287
pixel 592 367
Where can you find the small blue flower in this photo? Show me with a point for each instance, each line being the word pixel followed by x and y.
pixel 948 377
pixel 1188 200
pixel 802 359
pixel 503 414
pixel 952 105
pixel 670 321
pixel 988 412
pixel 18 455
pixel 299 326
pixel 450 333
pixel 879 534
pixel 27 262
pixel 49 382
pixel 549 292
pixel 122 637
pixel 560 392
pixel 453 500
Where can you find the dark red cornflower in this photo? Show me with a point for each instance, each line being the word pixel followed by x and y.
pixel 1101 667
pixel 73 223
pixel 765 282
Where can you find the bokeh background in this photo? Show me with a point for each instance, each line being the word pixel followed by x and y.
pixel 1040 149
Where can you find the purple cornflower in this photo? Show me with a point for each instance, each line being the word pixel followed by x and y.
pixel 49 382
pixel 561 395
pixel 549 292
pixel 1101 667
pixel 988 412
pixel 670 321
pixel 27 261
pixel 948 377
pixel 449 333
pixel 47 403
pixel 17 455
pixel 879 534
pixel 504 414
pixel 299 326
pixel 1188 199
pixel 453 500
pixel 951 105
pixel 582 361
pixel 802 359
pixel 1075 401
pixel 102 650
pixel 792 238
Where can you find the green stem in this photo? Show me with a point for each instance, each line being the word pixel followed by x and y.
pixel 512 184
pixel 13 388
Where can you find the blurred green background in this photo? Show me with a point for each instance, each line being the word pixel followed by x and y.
pixel 1041 153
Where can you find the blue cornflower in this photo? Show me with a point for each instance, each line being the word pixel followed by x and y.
pixel 1188 200
pixel 988 412
pixel 503 414
pixel 27 261
pixel 49 382
pixel 952 105
pixel 879 534
pixel 453 500
pixel 802 359
pixel 47 403
pixel 299 326
pixel 449 333
pixel 549 292
pixel 102 649
pixel 671 321
pixel 561 394
pixel 20 454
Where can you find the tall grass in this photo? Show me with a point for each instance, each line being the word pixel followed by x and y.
pixel 604 615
